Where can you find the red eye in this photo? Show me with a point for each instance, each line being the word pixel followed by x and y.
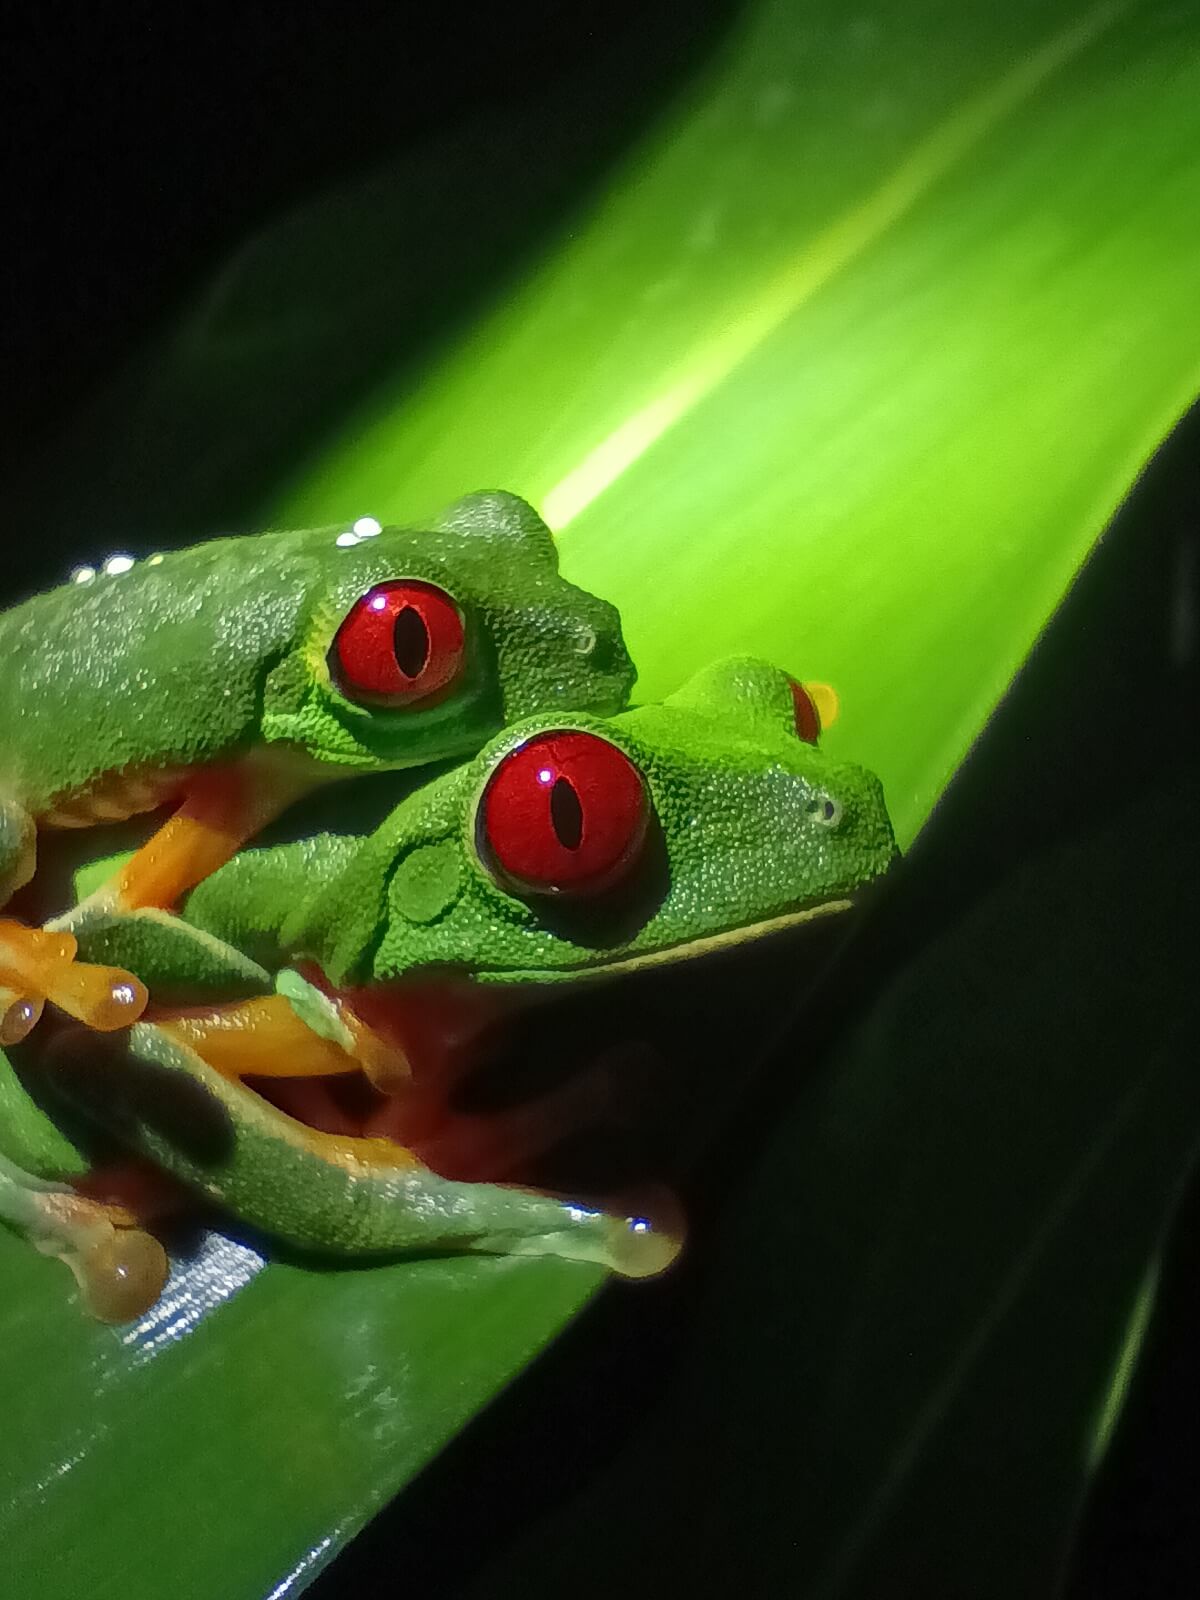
pixel 566 812
pixel 808 718
pixel 401 643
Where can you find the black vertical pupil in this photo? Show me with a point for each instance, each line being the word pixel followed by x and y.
pixel 410 642
pixel 566 815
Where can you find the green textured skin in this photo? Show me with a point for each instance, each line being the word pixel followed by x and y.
pixel 202 655
pixel 29 1136
pixel 736 797
pixel 187 966
pixel 732 789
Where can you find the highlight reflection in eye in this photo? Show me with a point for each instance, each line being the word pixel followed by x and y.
pixel 565 813
pixel 399 644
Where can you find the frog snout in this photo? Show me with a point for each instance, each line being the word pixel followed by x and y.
pixel 823 808
pixel 852 807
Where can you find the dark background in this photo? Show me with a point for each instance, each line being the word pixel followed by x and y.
pixel 144 143
pixel 147 143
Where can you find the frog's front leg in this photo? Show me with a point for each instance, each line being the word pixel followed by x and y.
pixel 37 966
pixel 120 1268
pixel 221 810
pixel 269 1037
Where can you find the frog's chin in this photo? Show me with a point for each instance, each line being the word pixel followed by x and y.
pixel 668 955
pixel 431 1016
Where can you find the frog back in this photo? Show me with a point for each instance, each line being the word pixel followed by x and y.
pixel 159 666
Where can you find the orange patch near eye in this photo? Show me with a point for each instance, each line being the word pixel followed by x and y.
pixel 816 708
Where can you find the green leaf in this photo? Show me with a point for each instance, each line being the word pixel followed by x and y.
pixel 848 364
pixel 902 1353
pixel 874 345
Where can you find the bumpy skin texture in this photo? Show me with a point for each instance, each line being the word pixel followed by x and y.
pixel 741 835
pixel 200 656
pixel 749 826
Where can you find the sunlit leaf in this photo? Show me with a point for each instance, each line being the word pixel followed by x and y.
pixel 849 364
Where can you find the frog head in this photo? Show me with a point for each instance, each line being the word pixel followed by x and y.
pixel 414 646
pixel 578 846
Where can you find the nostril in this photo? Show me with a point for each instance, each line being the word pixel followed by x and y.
pixel 824 809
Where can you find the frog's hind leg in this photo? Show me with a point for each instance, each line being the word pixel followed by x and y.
pixel 120 1269
pixel 489 1153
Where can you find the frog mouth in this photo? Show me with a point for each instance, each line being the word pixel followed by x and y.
pixel 688 949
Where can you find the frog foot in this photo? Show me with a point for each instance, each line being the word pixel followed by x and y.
pixel 120 1268
pixel 635 1235
pixel 36 966
pixel 648 1231
pixel 19 1014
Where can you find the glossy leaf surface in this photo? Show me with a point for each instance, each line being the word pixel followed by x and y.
pixel 848 364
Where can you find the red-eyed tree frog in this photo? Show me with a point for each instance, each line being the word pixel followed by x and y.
pixel 573 848
pixel 227 680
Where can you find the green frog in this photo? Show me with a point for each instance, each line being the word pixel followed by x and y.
pixel 573 848
pixel 228 680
